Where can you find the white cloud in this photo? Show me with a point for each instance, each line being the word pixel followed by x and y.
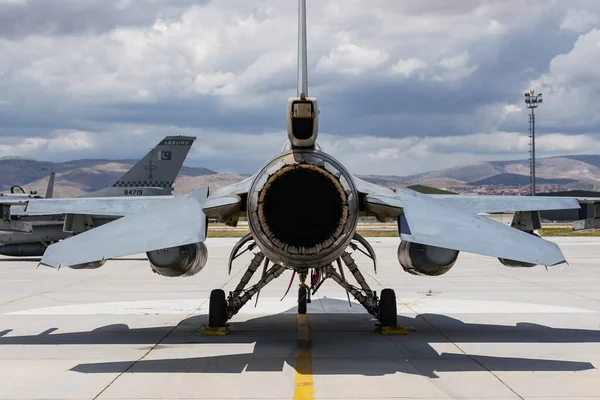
pixel 512 108
pixel 456 68
pixel 352 59
pixel 445 70
pixel 571 87
pixel 404 156
pixel 408 67
pixel 579 21
pixel 70 142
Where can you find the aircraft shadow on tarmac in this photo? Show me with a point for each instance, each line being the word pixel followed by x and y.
pixel 341 344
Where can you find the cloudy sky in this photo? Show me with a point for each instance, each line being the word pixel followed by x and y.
pixel 404 86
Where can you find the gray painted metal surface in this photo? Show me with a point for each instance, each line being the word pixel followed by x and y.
pixel 498 204
pixel 434 223
pixel 170 223
pixel 93 206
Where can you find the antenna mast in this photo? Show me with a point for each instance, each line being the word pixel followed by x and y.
pixel 302 51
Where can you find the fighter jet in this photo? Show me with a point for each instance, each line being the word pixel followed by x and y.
pixel 302 207
pixel 153 175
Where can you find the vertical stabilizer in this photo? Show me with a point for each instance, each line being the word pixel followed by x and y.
pixel 303 112
pixel 50 188
pixel 160 166
pixel 302 51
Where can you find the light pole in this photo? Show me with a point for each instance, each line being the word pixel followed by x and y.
pixel 532 100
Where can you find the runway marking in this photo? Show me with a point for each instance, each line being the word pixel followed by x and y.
pixel 130 367
pixel 305 387
pixel 337 305
pixel 469 355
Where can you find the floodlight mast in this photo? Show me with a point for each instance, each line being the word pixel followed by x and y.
pixel 532 101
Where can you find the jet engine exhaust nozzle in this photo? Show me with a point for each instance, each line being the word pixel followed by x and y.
pixel 303 209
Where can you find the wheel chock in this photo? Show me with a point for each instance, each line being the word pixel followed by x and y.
pixel 392 330
pixel 216 331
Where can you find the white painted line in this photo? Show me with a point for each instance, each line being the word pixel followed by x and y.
pixel 333 305
pixel 441 305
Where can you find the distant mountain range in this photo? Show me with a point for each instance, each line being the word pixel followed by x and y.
pixel 75 178
pixel 555 173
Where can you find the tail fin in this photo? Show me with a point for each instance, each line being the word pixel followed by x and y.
pixel 50 188
pixel 303 112
pixel 160 166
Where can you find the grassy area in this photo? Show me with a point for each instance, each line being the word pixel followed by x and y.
pixel 550 232
pixel 231 233
pixel 224 233
pixel 375 233
pixel 378 233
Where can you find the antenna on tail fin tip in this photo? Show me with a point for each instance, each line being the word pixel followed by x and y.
pixel 303 113
pixel 302 51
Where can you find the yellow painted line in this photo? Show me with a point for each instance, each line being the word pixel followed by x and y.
pixel 305 386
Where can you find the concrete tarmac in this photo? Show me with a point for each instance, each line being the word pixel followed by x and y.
pixel 483 331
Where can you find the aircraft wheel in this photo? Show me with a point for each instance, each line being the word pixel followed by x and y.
pixel 388 311
pixel 302 299
pixel 217 309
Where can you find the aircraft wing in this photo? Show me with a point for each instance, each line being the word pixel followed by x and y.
pixel 432 222
pixel 499 204
pixel 379 200
pixel 169 223
pixel 109 206
pixel 372 188
pixel 227 200
pixel 379 197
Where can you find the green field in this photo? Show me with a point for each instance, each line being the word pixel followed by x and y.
pixel 223 232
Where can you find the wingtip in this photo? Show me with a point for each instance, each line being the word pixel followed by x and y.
pixel 560 263
pixel 43 264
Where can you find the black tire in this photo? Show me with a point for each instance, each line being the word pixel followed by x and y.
pixel 302 300
pixel 217 309
pixel 388 310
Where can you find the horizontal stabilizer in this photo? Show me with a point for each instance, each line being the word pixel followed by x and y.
pixel 170 223
pixel 502 204
pixel 442 224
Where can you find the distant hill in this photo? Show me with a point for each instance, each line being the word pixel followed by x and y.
pixel 75 178
pixel 568 172
pixel 518 180
pixel 462 173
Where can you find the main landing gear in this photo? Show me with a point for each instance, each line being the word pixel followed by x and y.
pixel 222 309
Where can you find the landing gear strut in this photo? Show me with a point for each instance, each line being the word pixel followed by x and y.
pixel 383 308
pixel 240 296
